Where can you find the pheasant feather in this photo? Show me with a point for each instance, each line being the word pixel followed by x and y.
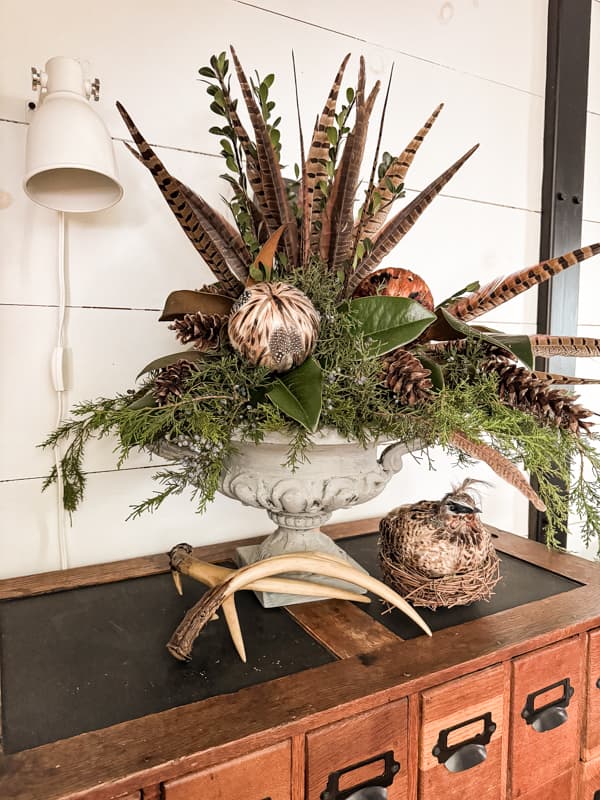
pixel 503 289
pixel 272 195
pixel 504 468
pixel 563 380
pixel 338 225
pixel 579 346
pixel 394 230
pixel 394 176
pixel 318 154
pixel 214 238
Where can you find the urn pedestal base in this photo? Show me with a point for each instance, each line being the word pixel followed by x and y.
pixel 288 540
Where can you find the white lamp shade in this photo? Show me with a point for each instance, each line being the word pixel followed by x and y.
pixel 70 162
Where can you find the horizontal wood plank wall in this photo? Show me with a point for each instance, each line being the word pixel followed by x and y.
pixel 485 61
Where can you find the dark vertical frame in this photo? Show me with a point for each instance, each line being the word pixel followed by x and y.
pixel 567 69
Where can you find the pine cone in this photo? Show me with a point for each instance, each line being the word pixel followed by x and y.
pixel 404 374
pixel 168 384
pixel 519 388
pixel 203 330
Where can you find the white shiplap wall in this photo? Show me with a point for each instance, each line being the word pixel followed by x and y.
pixel 485 60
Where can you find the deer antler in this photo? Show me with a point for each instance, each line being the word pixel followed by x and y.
pixel 183 563
pixel 180 644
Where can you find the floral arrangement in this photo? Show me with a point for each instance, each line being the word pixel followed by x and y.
pixel 303 329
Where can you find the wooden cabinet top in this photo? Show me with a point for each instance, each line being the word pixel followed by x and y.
pixel 353 660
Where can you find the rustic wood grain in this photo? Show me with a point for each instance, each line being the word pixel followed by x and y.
pixel 355 739
pixel 559 747
pixel 59 580
pixel 151 792
pixel 250 777
pixel 589 779
pixel 591 737
pixel 414 723
pixel 448 705
pixel 341 627
pixel 100 764
pixel 298 767
pixel 564 787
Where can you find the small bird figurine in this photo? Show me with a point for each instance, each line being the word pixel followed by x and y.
pixel 438 538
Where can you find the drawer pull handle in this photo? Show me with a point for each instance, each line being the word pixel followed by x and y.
pixel 551 715
pixel 468 753
pixel 367 790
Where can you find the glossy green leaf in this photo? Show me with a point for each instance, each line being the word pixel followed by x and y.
pixel 519 345
pixel 193 356
pixel 437 373
pixel 298 393
pixel 390 322
pixel 145 401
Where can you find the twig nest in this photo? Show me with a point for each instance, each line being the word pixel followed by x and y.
pixel 274 325
pixel 396 282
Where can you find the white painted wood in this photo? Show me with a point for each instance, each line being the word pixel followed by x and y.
pixel 489 70
pixel 166 99
pixel 591 188
pixel 28 526
pixel 594 75
pixel 503 42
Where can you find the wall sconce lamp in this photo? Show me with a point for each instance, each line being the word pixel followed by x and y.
pixel 70 163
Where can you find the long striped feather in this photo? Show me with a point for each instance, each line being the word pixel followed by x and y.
pixel 394 230
pixel 563 380
pixel 394 175
pixel 214 238
pixel 503 289
pixel 273 195
pixel 504 468
pixel 338 224
pixel 579 346
pixel 318 154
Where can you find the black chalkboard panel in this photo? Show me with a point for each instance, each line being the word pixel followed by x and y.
pixel 88 658
pixel 521 583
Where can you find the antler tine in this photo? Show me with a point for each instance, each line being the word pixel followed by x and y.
pixel 181 643
pixel 183 563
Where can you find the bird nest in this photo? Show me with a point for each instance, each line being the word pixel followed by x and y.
pixel 459 589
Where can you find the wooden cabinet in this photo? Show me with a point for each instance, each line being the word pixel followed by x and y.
pixel 591 742
pixel 589 780
pixel 547 694
pixel 497 705
pixel 265 775
pixel 563 787
pixel 462 745
pixel 366 749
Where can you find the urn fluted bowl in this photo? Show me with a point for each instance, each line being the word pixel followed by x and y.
pixel 337 473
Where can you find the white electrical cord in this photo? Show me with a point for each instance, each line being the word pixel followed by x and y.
pixel 58 379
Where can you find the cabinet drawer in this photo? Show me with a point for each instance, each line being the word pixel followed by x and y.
pixel 591 743
pixel 462 751
pixel 545 713
pixel 589 780
pixel 363 749
pixel 264 775
pixel 562 788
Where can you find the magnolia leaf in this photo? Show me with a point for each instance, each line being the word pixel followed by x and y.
pixel 193 356
pixel 265 256
pixel 187 301
pixel 437 373
pixel 470 287
pixel 390 322
pixel 298 393
pixel 145 401
pixel 519 344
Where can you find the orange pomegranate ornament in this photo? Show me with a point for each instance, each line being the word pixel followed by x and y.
pixel 396 282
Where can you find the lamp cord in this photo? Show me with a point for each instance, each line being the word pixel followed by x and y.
pixel 58 378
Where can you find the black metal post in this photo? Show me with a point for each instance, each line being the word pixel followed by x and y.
pixel 567 68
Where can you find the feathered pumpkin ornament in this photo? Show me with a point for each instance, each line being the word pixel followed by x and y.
pixel 271 323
